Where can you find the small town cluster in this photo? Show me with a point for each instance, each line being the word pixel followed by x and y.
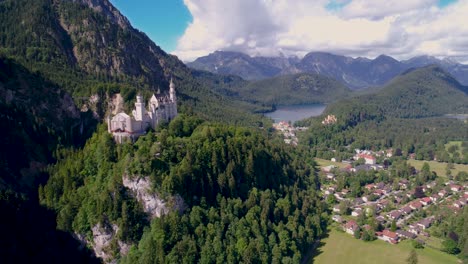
pixel 397 209
pixel 288 131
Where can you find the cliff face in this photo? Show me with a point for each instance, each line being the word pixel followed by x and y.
pixel 152 203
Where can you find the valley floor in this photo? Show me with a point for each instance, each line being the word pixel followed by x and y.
pixel 340 247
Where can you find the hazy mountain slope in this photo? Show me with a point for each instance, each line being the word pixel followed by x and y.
pixel 249 68
pixel 356 73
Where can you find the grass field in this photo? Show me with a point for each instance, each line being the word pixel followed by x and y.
pixel 323 163
pixel 438 167
pixel 340 248
pixel 454 143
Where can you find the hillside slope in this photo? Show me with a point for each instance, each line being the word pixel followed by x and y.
pixel 423 92
pixel 80 44
pixel 300 88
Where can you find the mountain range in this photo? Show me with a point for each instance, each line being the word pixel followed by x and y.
pixel 356 73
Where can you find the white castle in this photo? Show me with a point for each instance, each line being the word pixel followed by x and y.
pixel 161 108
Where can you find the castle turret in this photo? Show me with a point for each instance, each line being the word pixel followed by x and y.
pixel 109 125
pixel 172 94
pixel 139 108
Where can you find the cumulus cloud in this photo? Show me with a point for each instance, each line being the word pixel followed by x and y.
pixel 352 27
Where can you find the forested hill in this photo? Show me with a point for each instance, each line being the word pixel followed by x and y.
pixel 248 199
pixel 87 47
pixel 407 114
pixel 423 92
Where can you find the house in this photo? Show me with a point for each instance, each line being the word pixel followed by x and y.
pixel 410 194
pixel 336 209
pixel 442 193
pixel 369 159
pixel 379 192
pixel 416 205
pixel 431 185
pixel 414 228
pixel 337 218
pixel 356 212
pixel 358 201
pixel 404 184
pixel 350 227
pixel 330 176
pixel 370 186
pixel 395 215
pixel 434 197
pixel 329 168
pixel 459 203
pixel 405 234
pixel 380 219
pixel 426 201
pixel 339 196
pixel 455 188
pixel 389 153
pixel 425 223
pixel 406 210
pixel 388 236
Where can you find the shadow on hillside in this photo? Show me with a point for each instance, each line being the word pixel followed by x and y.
pixel 315 250
pixel 28 235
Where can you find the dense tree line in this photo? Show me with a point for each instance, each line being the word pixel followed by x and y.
pixel 249 199
pixel 425 137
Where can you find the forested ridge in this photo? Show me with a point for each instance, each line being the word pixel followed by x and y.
pixel 406 115
pixel 249 199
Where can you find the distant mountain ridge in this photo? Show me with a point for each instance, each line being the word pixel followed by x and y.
pixel 356 73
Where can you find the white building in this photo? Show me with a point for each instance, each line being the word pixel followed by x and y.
pixel 161 108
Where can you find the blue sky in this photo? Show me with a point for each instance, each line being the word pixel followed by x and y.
pixel 164 21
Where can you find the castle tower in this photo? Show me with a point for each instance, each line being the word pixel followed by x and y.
pixel 109 127
pixel 139 108
pixel 172 94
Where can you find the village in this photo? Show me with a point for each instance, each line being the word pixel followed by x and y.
pixel 288 132
pixel 393 209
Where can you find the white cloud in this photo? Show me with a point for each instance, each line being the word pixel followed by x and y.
pixel 376 9
pixel 361 28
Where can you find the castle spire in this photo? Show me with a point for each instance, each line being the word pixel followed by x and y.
pixel 172 93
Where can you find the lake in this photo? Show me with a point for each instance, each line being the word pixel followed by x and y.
pixel 294 113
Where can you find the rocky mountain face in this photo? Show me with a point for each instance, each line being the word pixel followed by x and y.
pixel 356 73
pixel 104 42
pixel 249 68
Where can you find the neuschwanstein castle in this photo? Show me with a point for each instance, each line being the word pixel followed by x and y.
pixel 161 108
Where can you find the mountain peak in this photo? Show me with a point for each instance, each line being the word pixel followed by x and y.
pixel 105 8
pixel 385 58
